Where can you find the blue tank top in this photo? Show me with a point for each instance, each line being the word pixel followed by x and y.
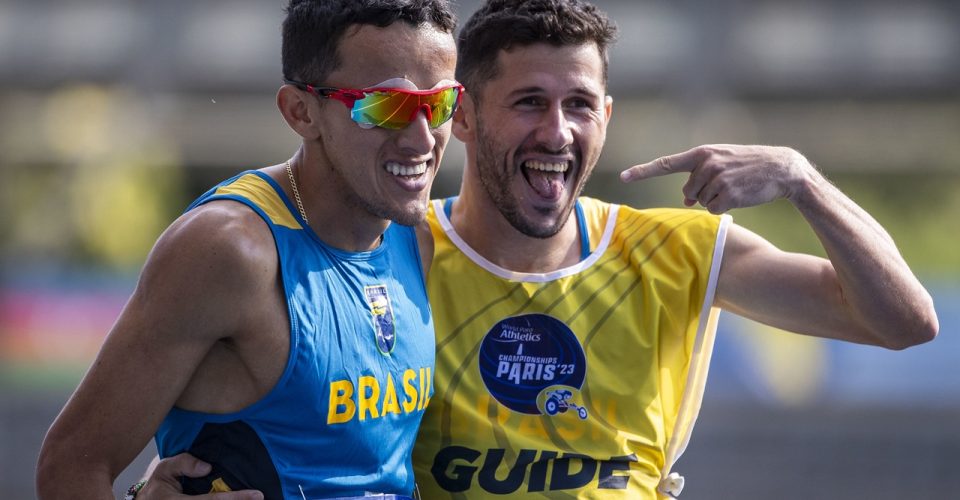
pixel 342 419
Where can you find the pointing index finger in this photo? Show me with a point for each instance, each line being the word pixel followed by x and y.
pixel 679 162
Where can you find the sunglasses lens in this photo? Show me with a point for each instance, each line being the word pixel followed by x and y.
pixel 442 105
pixel 395 109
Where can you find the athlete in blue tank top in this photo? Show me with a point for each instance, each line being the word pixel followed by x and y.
pixel 280 328
pixel 344 414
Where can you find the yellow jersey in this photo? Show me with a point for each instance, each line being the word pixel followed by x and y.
pixel 584 382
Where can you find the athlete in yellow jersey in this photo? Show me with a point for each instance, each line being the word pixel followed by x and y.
pixel 573 342
pixel 583 379
pixel 572 349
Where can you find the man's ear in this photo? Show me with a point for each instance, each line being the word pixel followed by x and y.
pixel 608 107
pixel 295 108
pixel 465 119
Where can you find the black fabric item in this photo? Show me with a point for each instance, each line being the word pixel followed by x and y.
pixel 238 457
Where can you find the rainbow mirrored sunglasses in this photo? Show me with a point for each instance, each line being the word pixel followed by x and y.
pixel 390 107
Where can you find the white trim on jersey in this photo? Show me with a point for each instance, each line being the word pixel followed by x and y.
pixel 528 277
pixel 699 362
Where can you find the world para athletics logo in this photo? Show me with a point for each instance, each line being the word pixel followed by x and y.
pixel 534 364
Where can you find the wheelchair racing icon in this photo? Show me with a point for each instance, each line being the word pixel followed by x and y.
pixel 558 402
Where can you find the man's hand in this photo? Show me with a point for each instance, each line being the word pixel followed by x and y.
pixel 864 293
pixel 724 176
pixel 164 481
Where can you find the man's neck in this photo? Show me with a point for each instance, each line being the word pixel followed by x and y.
pixel 337 221
pixel 493 237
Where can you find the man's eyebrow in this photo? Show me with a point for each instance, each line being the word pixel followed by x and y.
pixel 587 92
pixel 533 89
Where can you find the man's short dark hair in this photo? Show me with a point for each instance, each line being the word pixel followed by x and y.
pixel 313 29
pixel 504 24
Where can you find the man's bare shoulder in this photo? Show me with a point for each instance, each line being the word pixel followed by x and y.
pixel 222 234
pixel 220 255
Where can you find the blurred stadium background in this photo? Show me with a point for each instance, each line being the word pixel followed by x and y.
pixel 115 114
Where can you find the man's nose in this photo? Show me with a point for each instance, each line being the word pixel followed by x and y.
pixel 555 131
pixel 417 136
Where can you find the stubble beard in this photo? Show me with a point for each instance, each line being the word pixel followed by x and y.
pixel 382 209
pixel 497 182
pixel 360 201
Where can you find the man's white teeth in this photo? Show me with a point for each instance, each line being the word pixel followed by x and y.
pixel 406 170
pixel 547 167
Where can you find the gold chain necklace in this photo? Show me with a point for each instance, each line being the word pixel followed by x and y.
pixel 296 193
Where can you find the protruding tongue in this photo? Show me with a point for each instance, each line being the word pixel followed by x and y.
pixel 547 184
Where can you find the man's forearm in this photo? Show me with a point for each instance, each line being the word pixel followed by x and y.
pixel 56 481
pixel 874 279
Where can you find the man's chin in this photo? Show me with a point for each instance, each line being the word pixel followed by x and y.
pixel 410 215
pixel 538 227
